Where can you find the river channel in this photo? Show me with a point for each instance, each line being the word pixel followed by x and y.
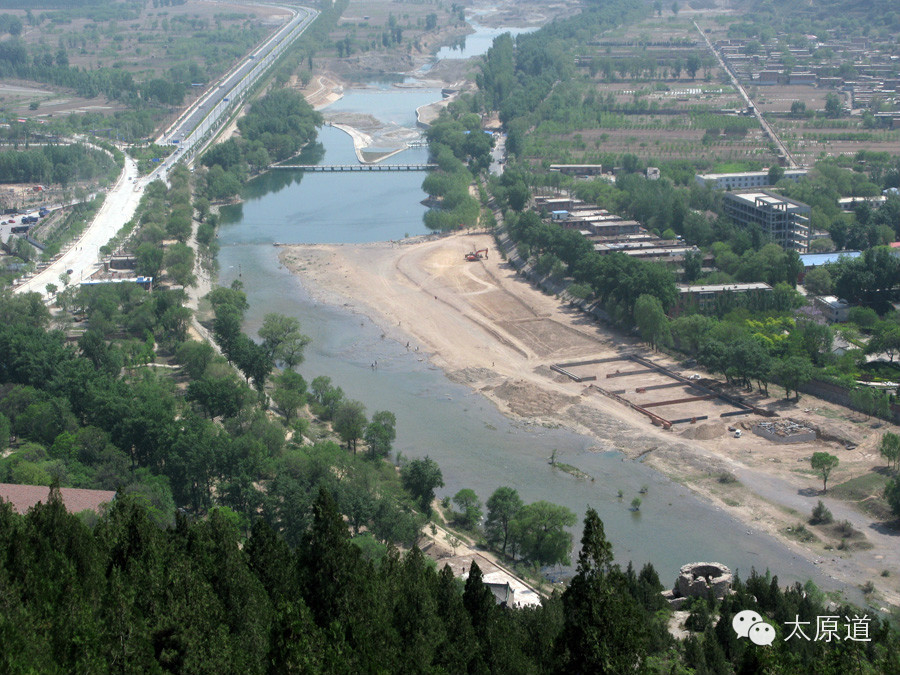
pixel 475 445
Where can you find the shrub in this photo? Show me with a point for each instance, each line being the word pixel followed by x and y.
pixel 821 515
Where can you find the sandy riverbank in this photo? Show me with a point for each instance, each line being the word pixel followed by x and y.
pixel 488 328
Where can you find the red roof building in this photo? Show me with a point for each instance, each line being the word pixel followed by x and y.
pixel 23 497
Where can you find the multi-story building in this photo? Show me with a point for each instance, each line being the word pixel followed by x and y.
pixel 747 179
pixel 706 298
pixel 785 221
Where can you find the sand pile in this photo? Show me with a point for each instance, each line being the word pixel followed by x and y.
pixel 704 432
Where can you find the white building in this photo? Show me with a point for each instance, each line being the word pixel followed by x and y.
pixel 834 310
pixel 748 179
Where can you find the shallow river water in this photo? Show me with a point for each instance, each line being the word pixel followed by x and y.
pixel 474 444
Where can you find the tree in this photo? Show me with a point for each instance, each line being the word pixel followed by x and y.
pixel 222 396
pixel 4 431
pixel 791 373
pixel 605 631
pixel 179 264
pixel 503 507
pixel 194 356
pixel 350 422
pixel 890 448
pixel 469 508
pixel 421 477
pixel 693 266
pixel 652 321
pixel 252 360
pixel 283 340
pixel 776 173
pixel 818 281
pixel 478 599
pixel 892 495
pixel 692 64
pixel 885 339
pixel 178 225
pixel 289 394
pixel 380 433
pixel 824 463
pixel 821 515
pixel 798 108
pixel 539 533
pixel 833 106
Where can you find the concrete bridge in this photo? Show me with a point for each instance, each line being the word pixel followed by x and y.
pixel 338 168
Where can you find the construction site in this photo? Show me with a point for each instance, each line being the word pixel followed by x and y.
pixel 665 397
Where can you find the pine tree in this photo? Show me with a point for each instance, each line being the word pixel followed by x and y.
pixel 605 628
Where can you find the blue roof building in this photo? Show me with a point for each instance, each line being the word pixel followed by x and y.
pixel 815 259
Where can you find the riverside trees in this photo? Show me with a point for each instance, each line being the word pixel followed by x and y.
pixel 276 127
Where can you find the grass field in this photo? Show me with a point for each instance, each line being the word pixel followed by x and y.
pixel 866 491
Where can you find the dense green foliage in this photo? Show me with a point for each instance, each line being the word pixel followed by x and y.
pixel 61 164
pixel 616 279
pixel 754 337
pixel 276 127
pixel 125 595
pixel 876 17
pixel 461 151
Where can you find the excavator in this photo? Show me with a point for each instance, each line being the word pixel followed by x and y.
pixel 474 256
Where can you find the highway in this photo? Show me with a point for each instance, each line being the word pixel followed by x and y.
pixel 196 125
pixel 191 132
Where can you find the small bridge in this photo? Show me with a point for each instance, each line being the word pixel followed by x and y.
pixel 339 168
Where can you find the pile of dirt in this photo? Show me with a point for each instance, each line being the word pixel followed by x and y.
pixel 703 432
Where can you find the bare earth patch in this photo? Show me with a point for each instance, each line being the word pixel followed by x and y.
pixel 492 330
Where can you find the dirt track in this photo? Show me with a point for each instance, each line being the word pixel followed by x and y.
pixel 490 329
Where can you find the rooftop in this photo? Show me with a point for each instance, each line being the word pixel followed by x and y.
pixel 765 198
pixel 722 288
pixel 833 302
pixel 815 259
pixel 715 176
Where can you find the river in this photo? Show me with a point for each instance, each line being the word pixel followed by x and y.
pixel 475 445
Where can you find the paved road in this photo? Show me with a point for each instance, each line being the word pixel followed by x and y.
pixel 193 130
pixel 81 256
pixel 884 554
pixel 752 106
pixel 498 155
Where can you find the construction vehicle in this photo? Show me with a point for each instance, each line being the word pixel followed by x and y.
pixel 475 256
